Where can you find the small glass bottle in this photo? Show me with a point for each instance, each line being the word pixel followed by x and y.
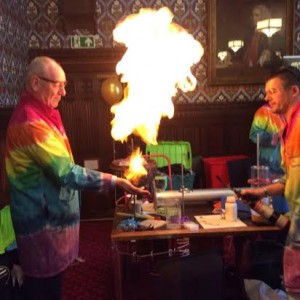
pixel 230 209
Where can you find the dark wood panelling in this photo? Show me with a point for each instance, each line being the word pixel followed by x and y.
pixel 4 118
pixel 5 114
pixel 212 129
pixel 101 60
pixel 79 14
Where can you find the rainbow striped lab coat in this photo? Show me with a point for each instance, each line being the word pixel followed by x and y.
pixel 44 182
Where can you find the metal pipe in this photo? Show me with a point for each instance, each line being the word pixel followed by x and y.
pixel 193 196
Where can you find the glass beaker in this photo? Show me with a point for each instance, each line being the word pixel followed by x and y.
pixel 260 176
pixel 173 213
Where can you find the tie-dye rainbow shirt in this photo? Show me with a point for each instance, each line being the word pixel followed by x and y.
pixel 44 183
pixel 291 159
pixel 266 124
pixel 290 152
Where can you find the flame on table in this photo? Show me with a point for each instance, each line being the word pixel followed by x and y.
pixel 155 65
pixel 136 169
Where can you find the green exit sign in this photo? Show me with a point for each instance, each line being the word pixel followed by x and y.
pixel 82 41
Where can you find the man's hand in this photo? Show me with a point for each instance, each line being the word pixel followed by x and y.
pixel 130 188
pixel 252 196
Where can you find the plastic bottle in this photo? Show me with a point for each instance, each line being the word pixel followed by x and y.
pixel 230 209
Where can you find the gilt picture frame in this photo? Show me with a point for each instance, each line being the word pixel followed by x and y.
pixel 233 20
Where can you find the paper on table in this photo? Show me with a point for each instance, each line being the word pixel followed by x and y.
pixel 215 221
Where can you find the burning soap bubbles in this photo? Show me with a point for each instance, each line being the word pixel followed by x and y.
pixel 136 168
pixel 157 62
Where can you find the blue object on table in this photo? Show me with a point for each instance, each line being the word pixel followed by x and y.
pixel 280 204
pixel 129 224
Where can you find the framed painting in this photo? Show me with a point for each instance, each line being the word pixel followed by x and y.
pixel 239 52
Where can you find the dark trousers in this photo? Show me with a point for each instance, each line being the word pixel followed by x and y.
pixel 43 288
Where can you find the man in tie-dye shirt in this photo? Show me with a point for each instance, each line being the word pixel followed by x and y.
pixel 283 96
pixel 266 128
pixel 44 182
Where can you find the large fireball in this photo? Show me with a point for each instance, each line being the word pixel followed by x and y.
pixel 157 62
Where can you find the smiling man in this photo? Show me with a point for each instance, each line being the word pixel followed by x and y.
pixel 44 182
pixel 283 96
pixel 46 81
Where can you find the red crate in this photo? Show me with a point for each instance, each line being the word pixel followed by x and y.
pixel 214 166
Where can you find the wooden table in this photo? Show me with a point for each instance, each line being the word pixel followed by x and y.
pixel 204 208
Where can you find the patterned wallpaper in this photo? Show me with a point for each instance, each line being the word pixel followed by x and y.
pixel 14 35
pixel 38 24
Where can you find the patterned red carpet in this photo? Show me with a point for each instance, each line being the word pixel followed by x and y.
pixel 91 279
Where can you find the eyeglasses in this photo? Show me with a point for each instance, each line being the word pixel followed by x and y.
pixel 54 82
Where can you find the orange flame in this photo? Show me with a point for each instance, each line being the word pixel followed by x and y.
pixel 155 65
pixel 136 168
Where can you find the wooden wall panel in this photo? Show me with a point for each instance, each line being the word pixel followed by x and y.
pixel 4 118
pixel 79 14
pixel 212 129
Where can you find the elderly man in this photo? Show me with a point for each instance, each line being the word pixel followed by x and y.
pixel 44 182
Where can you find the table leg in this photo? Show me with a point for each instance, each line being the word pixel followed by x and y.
pixel 117 266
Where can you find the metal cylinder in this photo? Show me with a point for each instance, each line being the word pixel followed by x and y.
pixel 194 196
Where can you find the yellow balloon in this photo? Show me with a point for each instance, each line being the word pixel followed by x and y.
pixel 112 90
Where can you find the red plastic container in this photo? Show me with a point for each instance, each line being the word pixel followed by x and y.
pixel 214 166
